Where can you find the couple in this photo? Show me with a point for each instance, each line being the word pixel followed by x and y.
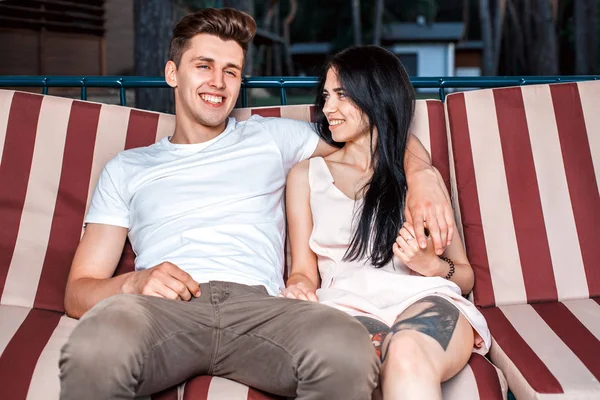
pixel 204 212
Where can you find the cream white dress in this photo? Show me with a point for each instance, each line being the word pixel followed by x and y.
pixel 357 287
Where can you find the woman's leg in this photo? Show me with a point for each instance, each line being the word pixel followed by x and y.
pixel 430 342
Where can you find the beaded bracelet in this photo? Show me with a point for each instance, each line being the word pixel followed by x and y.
pixel 451 264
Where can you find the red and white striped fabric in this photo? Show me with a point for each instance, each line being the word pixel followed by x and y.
pixel 52 152
pixel 527 164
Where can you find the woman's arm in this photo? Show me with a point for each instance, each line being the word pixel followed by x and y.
pixel 427 263
pixel 304 278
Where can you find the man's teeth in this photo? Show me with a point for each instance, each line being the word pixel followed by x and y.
pixel 336 121
pixel 211 99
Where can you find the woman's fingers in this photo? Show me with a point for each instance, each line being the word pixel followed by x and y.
pixel 299 291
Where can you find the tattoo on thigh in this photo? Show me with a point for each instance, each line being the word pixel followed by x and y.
pixel 377 331
pixel 438 320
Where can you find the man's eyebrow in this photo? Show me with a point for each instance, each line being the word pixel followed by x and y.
pixel 212 60
pixel 202 58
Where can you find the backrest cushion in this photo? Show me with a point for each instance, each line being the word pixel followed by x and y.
pixel 527 162
pixel 53 150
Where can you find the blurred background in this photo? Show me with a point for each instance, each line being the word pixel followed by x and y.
pixel 433 38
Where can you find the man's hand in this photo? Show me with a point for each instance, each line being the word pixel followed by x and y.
pixel 299 291
pixel 428 206
pixel 163 280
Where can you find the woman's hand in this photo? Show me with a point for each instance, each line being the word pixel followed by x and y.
pixel 299 291
pixel 423 261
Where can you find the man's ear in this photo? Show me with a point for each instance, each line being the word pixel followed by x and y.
pixel 171 74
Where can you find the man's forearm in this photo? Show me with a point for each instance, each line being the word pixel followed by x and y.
pixel 416 158
pixel 84 293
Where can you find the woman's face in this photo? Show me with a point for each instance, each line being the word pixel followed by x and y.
pixel 346 121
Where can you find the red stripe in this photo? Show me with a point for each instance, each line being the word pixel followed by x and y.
pixel 127 261
pixel 69 211
pixel 488 383
pixel 525 202
pixel 313 114
pixel 469 200
pixel 267 112
pixel 581 179
pixel 197 388
pixel 255 394
pixel 141 130
pixel 573 333
pixel 14 172
pixel 518 351
pixel 167 394
pixel 439 140
pixel 20 357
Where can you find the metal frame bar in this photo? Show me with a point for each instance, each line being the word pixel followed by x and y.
pixel 282 83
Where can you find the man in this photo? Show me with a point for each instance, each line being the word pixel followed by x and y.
pixel 204 213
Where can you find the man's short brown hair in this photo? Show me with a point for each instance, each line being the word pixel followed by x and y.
pixel 225 23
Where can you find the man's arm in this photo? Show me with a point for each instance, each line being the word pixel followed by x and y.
pixel 90 280
pixel 323 149
pixel 94 263
pixel 427 205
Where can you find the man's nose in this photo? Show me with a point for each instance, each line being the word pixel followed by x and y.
pixel 217 81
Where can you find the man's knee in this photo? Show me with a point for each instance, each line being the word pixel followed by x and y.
pixel 339 351
pixel 108 333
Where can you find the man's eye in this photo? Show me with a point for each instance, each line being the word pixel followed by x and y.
pixel 230 73
pixel 202 66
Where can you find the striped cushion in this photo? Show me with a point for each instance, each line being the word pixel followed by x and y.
pixel 52 152
pixel 527 165
pixel 478 380
pixel 212 388
pixel 30 343
pixel 548 350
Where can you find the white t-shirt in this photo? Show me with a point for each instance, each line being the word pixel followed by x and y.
pixel 215 209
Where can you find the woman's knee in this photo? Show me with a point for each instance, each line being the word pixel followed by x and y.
pixel 408 354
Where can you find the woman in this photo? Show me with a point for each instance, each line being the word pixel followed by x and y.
pixel 351 247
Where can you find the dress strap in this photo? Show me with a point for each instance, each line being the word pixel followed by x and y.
pixel 319 176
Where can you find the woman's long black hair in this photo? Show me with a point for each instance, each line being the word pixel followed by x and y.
pixel 376 82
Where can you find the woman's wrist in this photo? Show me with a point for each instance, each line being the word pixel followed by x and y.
pixel 441 268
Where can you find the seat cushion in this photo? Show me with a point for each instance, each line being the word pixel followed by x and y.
pixel 478 380
pixel 30 343
pixel 213 388
pixel 548 350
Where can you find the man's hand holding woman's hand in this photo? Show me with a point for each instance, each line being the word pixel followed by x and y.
pixel 299 291
pixel 165 280
pixel 423 261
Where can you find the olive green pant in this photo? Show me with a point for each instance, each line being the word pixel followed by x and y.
pixel 133 345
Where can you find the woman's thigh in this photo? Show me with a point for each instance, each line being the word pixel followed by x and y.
pixel 443 337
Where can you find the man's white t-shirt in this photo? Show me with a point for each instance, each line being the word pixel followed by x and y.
pixel 215 209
